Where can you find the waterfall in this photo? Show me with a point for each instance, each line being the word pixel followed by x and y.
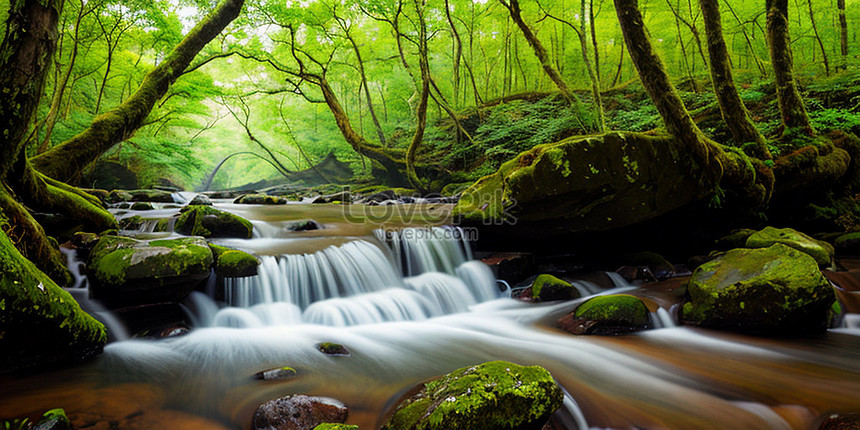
pixel 361 283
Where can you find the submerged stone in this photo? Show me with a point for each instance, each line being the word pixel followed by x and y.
pixel 142 206
pixel 200 200
pixel 304 225
pixel 298 412
pixel 330 348
pixel 610 315
pixel 39 321
pixel 821 251
pixel 775 290
pixel 207 221
pixel 547 288
pixel 155 196
pixel 492 396
pixel 127 271
pixel 277 374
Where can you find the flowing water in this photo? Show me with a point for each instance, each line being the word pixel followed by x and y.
pixel 410 303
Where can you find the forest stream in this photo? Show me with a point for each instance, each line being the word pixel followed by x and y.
pixel 409 303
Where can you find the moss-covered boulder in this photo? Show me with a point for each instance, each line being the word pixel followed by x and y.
pixel 124 271
pixel 331 348
pixel 334 426
pixel 155 196
pixel 848 244
pixel 585 185
pixel 735 239
pixel 200 200
pixel 492 396
pixel 610 315
pixel 39 321
pixel 775 290
pixel 142 206
pixel 260 199
pixel 304 225
pixel 547 287
pixel 821 251
pixel 207 221
pixel 232 263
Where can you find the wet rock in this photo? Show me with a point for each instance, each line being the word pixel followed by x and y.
pixel 260 199
pixel 141 206
pixel 200 200
pixel 608 316
pixel 207 221
pixel 232 263
pixel 848 244
pixel 55 419
pixel 155 196
pixel 329 348
pixel 156 320
pixel 547 288
pixel 84 243
pixel 127 271
pixel 821 251
pixel 40 322
pixel 493 395
pixel 304 225
pixel 849 421
pixel 341 197
pixel 775 290
pixel 278 374
pixel 651 263
pixel 131 223
pixel 511 267
pixel 333 426
pixel 735 239
pixel 117 196
pixel 298 412
pixel 102 195
pixel 227 194
pixel 379 197
pixel 173 332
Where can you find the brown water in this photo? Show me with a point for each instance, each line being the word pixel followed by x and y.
pixel 672 377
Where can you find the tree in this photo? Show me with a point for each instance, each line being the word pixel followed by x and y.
pixel 732 108
pixel 843 33
pixel 791 107
pixel 66 161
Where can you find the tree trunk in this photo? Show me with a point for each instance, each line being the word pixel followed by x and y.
pixel 818 38
pixel 843 33
pixel 418 136
pixel 370 108
pixel 66 161
pixel 750 48
pixel 592 74
pixel 458 52
pixel 516 14
pixel 791 105
pixel 732 108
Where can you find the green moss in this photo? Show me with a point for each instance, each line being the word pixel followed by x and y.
pixel 620 309
pixel 232 263
pixel 335 426
pixel 821 251
pixel 33 303
pixel 207 221
pixel 260 199
pixel 768 290
pixel 547 287
pixel 331 348
pixel 493 395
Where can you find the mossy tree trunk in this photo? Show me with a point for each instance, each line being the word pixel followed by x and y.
pixel 791 107
pixel 843 33
pixel 67 160
pixel 513 7
pixel 421 112
pixel 732 108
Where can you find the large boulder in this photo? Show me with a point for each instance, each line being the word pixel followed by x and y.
pixel 298 412
pixel 207 221
pixel 260 199
pixel 585 185
pixel 492 396
pixel 124 271
pixel 232 263
pixel 39 321
pixel 821 251
pixel 609 315
pixel 775 290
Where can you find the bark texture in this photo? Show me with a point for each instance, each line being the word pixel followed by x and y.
pixel 791 105
pixel 67 160
pixel 732 108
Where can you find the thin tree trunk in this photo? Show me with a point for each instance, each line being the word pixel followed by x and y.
pixel 418 136
pixel 818 38
pixel 363 75
pixel 458 52
pixel 540 52
pixel 68 159
pixel 750 47
pixel 791 105
pixel 594 39
pixel 843 33
pixel 732 108
pixel 620 66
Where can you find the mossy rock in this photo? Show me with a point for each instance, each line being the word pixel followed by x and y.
pixel 124 271
pixel 259 199
pixel 547 288
pixel 117 196
pixel 142 206
pixel 200 200
pixel 232 263
pixel 277 374
pixel 207 221
pixel 155 196
pixel 848 244
pixel 735 239
pixel 775 290
pixel 821 251
pixel 39 321
pixel 587 184
pixel 331 348
pixel 455 189
pixel 612 315
pixel 131 223
pixel 335 426
pixel 304 225
pixel 55 419
pixel 492 396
